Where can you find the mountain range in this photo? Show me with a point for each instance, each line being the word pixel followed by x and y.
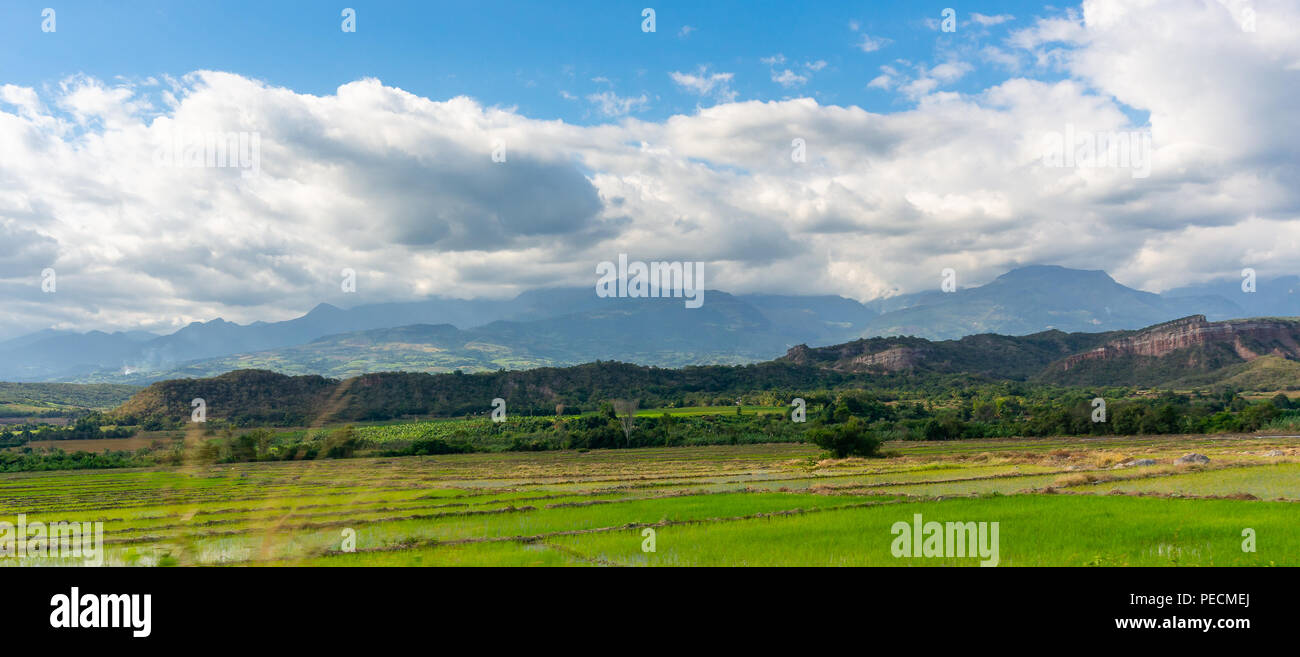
pixel 1253 354
pixel 566 326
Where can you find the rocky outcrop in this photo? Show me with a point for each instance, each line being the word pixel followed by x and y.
pixel 876 355
pixel 799 355
pixel 890 360
pixel 1172 351
pixel 1248 338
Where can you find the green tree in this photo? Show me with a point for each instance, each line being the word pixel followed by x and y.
pixel 341 444
pixel 852 438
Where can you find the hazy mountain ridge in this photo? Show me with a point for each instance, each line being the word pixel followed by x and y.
pixel 563 326
pixel 650 331
pixel 1039 298
pixel 539 328
pixel 1189 351
pixel 1277 297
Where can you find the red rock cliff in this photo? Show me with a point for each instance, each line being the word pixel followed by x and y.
pixel 1282 336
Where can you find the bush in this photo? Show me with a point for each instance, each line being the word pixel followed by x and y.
pixel 851 438
pixel 947 428
pixel 341 444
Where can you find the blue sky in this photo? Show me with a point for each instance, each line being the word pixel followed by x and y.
pixel 919 150
pixel 547 59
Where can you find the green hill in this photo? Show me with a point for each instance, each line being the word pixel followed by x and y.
pixel 263 397
pixel 32 399
pixel 1262 374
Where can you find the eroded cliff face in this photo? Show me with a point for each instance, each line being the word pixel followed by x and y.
pixel 858 356
pixel 1195 342
pixel 1249 338
pixel 890 360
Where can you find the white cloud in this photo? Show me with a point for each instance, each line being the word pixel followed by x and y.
pixel 921 81
pixel 919 87
pixel 950 71
pixel 991 20
pixel 89 100
pixel 1000 57
pixel 403 189
pixel 609 103
pixel 869 43
pixel 1064 30
pixel 704 83
pixel 788 79
pixel 23 98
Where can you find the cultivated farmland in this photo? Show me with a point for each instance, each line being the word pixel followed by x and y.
pixel 1058 501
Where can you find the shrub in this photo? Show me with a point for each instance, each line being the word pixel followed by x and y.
pixel 851 438
pixel 341 444
pixel 947 428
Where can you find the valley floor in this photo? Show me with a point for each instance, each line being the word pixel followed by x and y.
pixel 1057 501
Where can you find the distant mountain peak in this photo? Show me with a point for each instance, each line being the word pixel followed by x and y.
pixel 324 308
pixel 216 321
pixel 1037 273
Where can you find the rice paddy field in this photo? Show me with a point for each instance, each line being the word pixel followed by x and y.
pixel 1057 501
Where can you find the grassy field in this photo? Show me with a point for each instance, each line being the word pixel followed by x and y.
pixel 1057 501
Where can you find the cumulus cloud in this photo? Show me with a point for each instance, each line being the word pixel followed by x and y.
pixel 788 78
pixel 23 99
pixel 447 196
